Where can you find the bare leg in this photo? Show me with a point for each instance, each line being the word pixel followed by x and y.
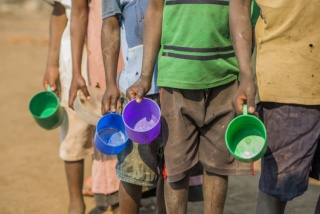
pixel 317 211
pixel 129 198
pixel 74 173
pixel 161 206
pixel 214 192
pixel 269 205
pixel 176 196
pixel 115 209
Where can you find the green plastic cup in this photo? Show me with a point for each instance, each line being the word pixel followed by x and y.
pixel 46 110
pixel 246 137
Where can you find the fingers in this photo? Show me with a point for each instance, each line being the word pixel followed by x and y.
pixel 45 84
pixel 58 89
pixel 135 93
pixel 249 96
pixel 105 107
pixel 85 91
pixel 109 104
pixel 120 104
pixel 245 95
pixel 139 96
pixel 113 106
pixel 238 105
pixel 251 104
pixel 53 87
pixel 108 107
pixel 113 103
pixel 130 93
pixel 72 97
pixel 240 101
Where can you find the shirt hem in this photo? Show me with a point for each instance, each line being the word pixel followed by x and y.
pixel 192 86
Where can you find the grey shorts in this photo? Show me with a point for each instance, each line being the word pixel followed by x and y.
pixel 138 163
pixel 193 129
pixel 293 132
pixel 76 137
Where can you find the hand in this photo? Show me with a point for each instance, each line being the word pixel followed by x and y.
pixel 77 83
pixel 139 89
pixel 245 94
pixel 110 100
pixel 51 78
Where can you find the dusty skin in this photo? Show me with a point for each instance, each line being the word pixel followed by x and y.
pixel 32 179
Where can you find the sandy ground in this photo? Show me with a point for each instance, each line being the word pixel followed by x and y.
pixel 32 179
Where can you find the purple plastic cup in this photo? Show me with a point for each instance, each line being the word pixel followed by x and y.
pixel 142 120
pixel 110 137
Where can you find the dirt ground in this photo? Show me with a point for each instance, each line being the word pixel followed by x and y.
pixel 32 179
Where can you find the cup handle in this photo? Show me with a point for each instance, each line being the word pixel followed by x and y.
pixel 121 102
pixel 245 109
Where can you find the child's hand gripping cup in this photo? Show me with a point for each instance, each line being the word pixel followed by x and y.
pixel 110 137
pixel 142 120
pixel 46 110
pixel 246 137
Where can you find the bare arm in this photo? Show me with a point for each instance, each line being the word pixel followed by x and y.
pixel 152 36
pixel 241 33
pixel 58 22
pixel 79 23
pixel 110 44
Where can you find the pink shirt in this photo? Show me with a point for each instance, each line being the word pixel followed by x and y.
pixel 96 68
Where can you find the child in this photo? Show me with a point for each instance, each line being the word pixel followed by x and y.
pixel 198 76
pixel 86 25
pixel 75 134
pixel 287 77
pixel 137 164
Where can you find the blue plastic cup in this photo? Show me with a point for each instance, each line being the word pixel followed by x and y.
pixel 110 137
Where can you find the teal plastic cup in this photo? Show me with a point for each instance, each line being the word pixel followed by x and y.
pixel 46 110
pixel 246 137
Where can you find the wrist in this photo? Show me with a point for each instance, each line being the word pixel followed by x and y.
pixel 111 85
pixel 52 65
pixel 146 77
pixel 76 71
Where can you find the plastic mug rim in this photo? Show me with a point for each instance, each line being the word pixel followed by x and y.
pixel 103 141
pixel 41 92
pixel 127 126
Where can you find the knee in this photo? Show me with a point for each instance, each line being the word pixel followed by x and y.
pixel 178 185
